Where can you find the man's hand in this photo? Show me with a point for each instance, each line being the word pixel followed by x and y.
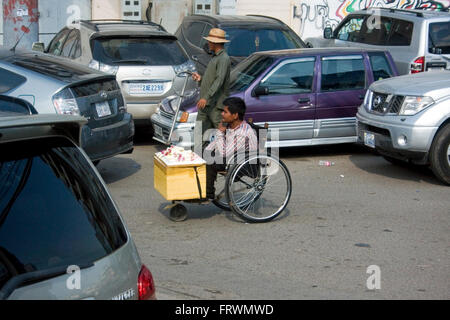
pixel 201 104
pixel 196 77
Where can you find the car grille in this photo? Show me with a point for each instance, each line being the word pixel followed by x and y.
pixel 382 103
pixel 166 115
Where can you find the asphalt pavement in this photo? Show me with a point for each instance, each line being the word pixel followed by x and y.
pixel 360 229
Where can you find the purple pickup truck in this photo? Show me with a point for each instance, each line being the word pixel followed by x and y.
pixel 307 96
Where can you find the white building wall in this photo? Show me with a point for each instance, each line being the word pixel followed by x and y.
pixel 106 9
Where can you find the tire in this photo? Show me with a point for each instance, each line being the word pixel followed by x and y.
pixel 178 213
pixel 440 155
pixel 221 200
pixel 261 194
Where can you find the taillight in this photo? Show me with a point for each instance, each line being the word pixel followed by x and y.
pixel 418 65
pixel 146 286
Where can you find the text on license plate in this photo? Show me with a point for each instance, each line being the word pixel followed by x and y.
pixel 145 88
pixel 369 139
pixel 158 130
pixel 103 109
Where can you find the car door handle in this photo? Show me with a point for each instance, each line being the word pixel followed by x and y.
pixel 304 100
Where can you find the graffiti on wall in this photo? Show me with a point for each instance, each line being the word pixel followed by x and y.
pixel 317 15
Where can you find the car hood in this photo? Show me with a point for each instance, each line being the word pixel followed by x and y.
pixel 434 84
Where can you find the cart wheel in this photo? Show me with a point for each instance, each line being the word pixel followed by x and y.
pixel 178 213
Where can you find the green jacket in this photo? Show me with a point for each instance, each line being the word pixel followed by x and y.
pixel 215 85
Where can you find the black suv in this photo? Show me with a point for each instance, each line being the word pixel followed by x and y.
pixel 247 34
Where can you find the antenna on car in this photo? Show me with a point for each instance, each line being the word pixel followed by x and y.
pixel 13 49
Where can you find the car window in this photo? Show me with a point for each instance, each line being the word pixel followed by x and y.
pixel 439 37
pixel 57 43
pixel 291 77
pixel 54 212
pixel 68 45
pixel 401 33
pixel 244 42
pixel 343 73
pixel 248 70
pixel 349 31
pixel 380 66
pixel 10 106
pixel 193 32
pixel 76 49
pixel 10 80
pixel 142 51
pixel 375 32
pixel 208 28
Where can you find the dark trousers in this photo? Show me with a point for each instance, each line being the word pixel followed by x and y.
pixel 211 176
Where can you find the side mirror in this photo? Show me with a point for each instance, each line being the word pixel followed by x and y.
pixel 260 91
pixel 38 46
pixel 328 33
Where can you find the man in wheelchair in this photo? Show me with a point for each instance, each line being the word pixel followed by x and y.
pixel 233 136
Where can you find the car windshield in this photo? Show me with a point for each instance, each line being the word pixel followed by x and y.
pixel 246 41
pixel 439 37
pixel 248 70
pixel 139 51
pixel 54 210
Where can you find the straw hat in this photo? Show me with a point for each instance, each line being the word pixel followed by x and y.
pixel 217 36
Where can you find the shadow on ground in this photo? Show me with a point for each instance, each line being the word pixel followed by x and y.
pixel 119 168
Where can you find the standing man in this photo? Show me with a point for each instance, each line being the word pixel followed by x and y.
pixel 215 84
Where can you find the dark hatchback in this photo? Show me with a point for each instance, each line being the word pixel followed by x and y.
pixel 56 86
pixel 307 96
pixel 247 34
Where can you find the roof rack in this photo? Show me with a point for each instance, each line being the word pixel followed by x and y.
pixel 418 14
pixel 93 24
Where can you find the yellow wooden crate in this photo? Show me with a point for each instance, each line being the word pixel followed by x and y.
pixel 179 182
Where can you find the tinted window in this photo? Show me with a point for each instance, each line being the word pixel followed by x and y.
pixel 54 212
pixel 439 38
pixel 246 41
pixel 58 42
pixel 291 77
pixel 401 33
pixel 350 29
pixel 343 73
pixel 194 31
pixel 380 66
pixel 10 106
pixel 68 45
pixel 247 71
pixel 76 50
pixel 375 32
pixel 10 80
pixel 142 51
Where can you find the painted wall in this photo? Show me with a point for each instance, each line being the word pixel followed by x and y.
pixel 315 15
pixel 55 14
pixel 106 9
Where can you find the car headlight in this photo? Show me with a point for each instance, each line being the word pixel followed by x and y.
pixel 368 99
pixel 94 64
pixel 65 103
pixel 413 105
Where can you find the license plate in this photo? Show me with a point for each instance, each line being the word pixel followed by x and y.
pixel 369 139
pixel 103 109
pixel 158 131
pixel 146 88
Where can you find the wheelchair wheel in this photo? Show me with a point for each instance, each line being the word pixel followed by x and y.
pixel 259 189
pixel 221 199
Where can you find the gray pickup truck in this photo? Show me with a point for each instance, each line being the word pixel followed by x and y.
pixel 408 118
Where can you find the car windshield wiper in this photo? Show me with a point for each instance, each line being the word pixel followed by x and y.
pixel 33 277
pixel 140 61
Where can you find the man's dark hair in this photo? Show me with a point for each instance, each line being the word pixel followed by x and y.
pixel 236 105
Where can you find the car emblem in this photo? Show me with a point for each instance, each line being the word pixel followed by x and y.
pixel 377 101
pixel 103 94
pixel 147 72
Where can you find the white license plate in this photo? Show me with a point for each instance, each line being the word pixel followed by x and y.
pixel 158 130
pixel 369 139
pixel 103 109
pixel 146 88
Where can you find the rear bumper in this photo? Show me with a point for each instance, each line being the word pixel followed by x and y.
pixel 105 142
pixel 141 112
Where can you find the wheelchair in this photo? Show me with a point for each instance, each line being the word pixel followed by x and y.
pixel 255 186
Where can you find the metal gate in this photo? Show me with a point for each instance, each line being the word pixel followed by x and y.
pixel 20 21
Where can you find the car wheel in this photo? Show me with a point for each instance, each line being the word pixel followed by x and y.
pixel 440 155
